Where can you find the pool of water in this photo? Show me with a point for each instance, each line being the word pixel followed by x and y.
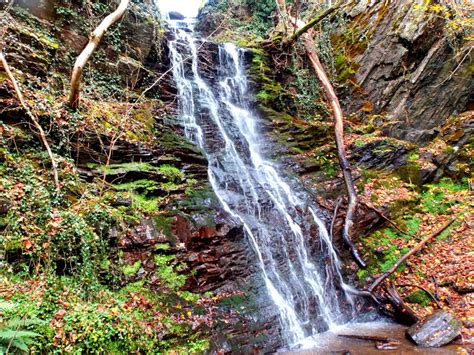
pixel 332 343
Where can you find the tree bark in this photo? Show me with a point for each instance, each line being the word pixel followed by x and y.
pixel 33 119
pixel 94 40
pixel 341 150
pixel 338 118
pixel 401 310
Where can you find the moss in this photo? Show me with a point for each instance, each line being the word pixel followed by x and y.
pixel 137 185
pixel 34 29
pixel 129 270
pixel 145 204
pixel 167 273
pixel 270 89
pixel 198 199
pixel 172 173
pixel 411 173
pixel 419 297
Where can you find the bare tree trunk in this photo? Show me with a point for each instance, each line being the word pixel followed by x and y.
pixel 341 150
pixel 306 33
pixel 33 119
pixel 94 40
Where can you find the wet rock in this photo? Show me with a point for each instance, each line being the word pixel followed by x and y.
pixel 144 235
pixel 5 205
pixel 121 202
pixel 436 330
pixel 383 154
pixel 409 70
pixel 175 15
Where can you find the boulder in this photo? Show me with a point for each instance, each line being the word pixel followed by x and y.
pixel 174 15
pixel 436 330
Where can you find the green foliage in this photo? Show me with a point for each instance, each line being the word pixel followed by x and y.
pixel 130 270
pixel 14 336
pixel 433 199
pixel 68 13
pixel 165 267
pixel 261 11
pixel 145 204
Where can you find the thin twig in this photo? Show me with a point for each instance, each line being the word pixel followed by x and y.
pixel 336 208
pixel 394 225
pixel 33 119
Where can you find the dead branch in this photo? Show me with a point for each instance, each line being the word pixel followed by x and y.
pixel 341 151
pixel 401 310
pixel 366 337
pixel 310 24
pixel 33 119
pixel 412 251
pixel 94 40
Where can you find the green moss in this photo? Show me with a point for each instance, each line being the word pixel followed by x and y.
pixel 413 156
pixel 129 270
pixel 163 224
pixel 125 167
pixel 166 271
pixel 411 173
pixel 172 173
pixel 41 37
pixel 419 297
pixel 145 204
pixel 137 185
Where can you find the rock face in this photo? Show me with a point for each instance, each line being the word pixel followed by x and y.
pixel 436 330
pixel 412 69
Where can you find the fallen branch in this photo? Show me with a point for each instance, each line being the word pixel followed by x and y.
pixel 302 30
pixel 94 40
pixel 341 151
pixel 367 337
pixel 414 250
pixel 33 119
pixel 401 310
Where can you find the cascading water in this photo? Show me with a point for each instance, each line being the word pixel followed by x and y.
pixel 218 118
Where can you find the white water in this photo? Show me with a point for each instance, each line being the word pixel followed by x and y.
pixel 216 116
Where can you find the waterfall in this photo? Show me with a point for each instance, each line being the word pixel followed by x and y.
pixel 216 116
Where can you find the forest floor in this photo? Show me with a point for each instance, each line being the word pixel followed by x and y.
pixel 442 273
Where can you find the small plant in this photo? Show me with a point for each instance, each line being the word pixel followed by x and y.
pixel 13 335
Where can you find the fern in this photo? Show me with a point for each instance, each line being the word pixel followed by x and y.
pixel 13 336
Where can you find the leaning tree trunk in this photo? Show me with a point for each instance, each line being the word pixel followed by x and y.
pixel 306 33
pixel 94 40
pixel 341 150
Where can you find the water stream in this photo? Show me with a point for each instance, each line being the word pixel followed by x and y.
pixel 277 216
